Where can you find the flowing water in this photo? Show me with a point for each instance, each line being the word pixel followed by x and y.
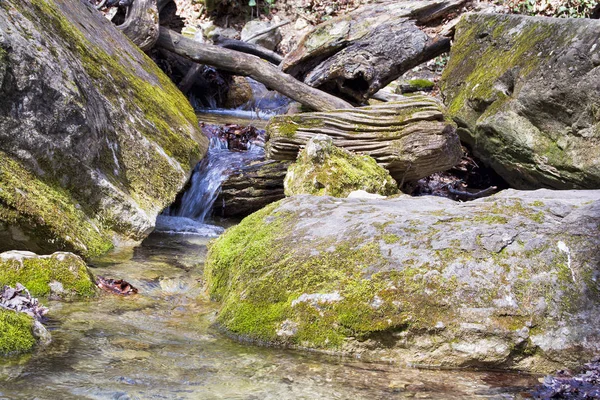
pixel 161 344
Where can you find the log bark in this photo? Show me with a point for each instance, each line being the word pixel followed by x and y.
pixel 355 55
pixel 251 188
pixel 410 138
pixel 249 65
pixel 141 23
pixel 248 48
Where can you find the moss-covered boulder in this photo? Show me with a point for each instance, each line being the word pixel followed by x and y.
pixel 94 139
pixel 61 274
pixel 508 281
pixel 525 93
pixel 16 332
pixel 323 169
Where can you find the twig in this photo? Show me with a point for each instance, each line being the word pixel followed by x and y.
pixel 269 29
pixel 469 195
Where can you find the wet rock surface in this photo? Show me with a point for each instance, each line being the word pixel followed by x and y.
pixel 508 281
pixel 525 93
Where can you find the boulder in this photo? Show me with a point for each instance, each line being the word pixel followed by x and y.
pixel 250 188
pixel 94 139
pixel 525 93
pixel 508 281
pixel 62 275
pixel 325 170
pixel 411 138
pixel 269 40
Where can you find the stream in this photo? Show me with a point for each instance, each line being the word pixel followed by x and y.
pixel 162 342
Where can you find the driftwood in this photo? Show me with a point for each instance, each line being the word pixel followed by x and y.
pixel 355 55
pixel 248 48
pixel 250 188
pixel 141 23
pixel 249 65
pixel 410 138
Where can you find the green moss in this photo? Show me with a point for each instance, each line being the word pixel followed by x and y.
pixel 338 174
pixel 421 84
pixel 260 278
pixel 491 219
pixel 36 274
pixel 15 332
pixel 390 238
pixel 47 212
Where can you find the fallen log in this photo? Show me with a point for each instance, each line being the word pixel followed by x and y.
pixel 355 55
pixel 410 138
pixel 249 65
pixel 248 48
pixel 141 23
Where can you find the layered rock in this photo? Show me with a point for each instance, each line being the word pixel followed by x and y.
pixel 251 188
pixel 94 138
pixel 525 93
pixel 325 170
pixel 410 138
pixel 508 281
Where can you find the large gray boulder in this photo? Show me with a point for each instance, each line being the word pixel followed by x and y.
pixel 94 139
pixel 509 281
pixel 525 93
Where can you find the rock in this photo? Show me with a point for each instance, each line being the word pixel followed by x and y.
pixel 410 138
pixel 240 92
pixel 94 139
pixel 525 93
pixel 508 281
pixel 361 194
pixel 268 40
pixel 251 188
pixel 16 333
pixel 323 169
pixel 42 275
pixel 41 334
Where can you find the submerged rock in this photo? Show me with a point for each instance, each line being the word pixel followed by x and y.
pixel 94 139
pixel 63 275
pixel 525 93
pixel 508 281
pixel 326 170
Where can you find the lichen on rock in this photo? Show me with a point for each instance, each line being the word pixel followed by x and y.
pixel 525 100
pixel 509 281
pixel 326 170
pixel 103 139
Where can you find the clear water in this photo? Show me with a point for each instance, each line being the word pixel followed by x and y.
pixel 161 344
pixel 206 180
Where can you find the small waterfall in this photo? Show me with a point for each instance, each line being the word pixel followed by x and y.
pixel 189 215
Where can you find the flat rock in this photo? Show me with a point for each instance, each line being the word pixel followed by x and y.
pixel 508 281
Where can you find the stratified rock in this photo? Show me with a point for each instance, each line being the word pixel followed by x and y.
pixel 325 170
pixel 269 40
pixel 525 93
pixel 94 139
pixel 508 281
pixel 410 138
pixel 63 275
pixel 251 188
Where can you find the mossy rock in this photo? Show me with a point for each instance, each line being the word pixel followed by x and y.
pixel 102 140
pixel 62 274
pixel 16 333
pixel 497 282
pixel 323 169
pixel 525 101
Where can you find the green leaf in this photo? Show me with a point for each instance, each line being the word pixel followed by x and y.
pixel 252 3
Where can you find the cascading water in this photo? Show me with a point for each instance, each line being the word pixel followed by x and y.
pixel 189 215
